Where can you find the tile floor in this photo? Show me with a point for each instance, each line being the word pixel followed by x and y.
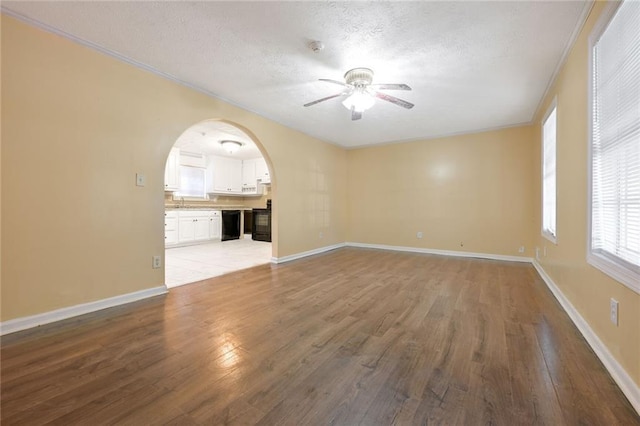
pixel 184 265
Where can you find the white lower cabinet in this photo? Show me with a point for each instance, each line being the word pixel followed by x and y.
pixel 215 225
pixel 201 231
pixel 192 226
pixel 170 227
pixel 186 229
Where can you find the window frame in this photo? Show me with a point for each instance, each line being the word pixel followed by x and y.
pixel 620 270
pixel 553 106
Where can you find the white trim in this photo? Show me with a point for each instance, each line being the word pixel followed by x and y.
pixel 620 273
pixel 24 323
pixel 586 10
pixel 624 275
pixel 439 135
pixel 548 235
pixel 553 106
pixel 442 252
pixel 289 258
pixel 626 384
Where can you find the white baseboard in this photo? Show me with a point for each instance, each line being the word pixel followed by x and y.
pixel 620 376
pixel 23 323
pixel 291 257
pixel 443 252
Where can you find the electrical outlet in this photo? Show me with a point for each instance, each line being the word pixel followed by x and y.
pixel 537 253
pixel 141 180
pixel 419 234
pixel 521 249
pixel 156 262
pixel 613 311
pixel 320 235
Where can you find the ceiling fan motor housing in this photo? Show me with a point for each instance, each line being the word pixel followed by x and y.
pixel 359 77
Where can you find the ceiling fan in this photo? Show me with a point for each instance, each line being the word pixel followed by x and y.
pixel 361 93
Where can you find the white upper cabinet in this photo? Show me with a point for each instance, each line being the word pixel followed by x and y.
pixel 225 175
pixel 262 171
pixel 236 177
pixel 249 181
pixel 172 171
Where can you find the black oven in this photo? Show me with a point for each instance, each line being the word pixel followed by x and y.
pixel 261 227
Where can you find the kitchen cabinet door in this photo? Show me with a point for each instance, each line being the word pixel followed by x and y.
pixel 201 229
pixel 235 175
pixel 215 226
pixel 226 175
pixel 262 171
pixel 186 229
pixel 170 228
pixel 249 182
pixel 193 226
pixel 172 171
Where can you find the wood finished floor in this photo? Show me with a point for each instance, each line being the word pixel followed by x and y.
pixel 349 337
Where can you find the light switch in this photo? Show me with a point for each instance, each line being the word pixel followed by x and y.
pixel 141 180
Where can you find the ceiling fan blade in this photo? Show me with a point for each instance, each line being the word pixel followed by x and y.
pixel 393 100
pixel 390 87
pixel 355 115
pixel 323 99
pixel 341 83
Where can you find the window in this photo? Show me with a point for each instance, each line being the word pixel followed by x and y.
pixel 191 182
pixel 614 187
pixel 549 174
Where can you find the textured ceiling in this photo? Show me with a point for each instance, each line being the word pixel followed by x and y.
pixel 472 65
pixel 205 137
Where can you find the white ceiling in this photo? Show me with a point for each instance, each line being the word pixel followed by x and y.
pixel 204 138
pixel 472 65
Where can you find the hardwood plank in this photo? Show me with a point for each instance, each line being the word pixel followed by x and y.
pixel 352 336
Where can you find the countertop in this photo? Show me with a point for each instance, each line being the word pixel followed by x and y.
pixel 208 207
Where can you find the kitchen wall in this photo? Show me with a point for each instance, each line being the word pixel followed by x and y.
pixel 588 289
pixel 464 193
pixel 221 200
pixel 76 128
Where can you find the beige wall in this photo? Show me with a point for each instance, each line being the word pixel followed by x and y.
pixel 586 287
pixel 77 126
pixel 466 193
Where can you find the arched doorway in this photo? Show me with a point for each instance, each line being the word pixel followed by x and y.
pixel 218 178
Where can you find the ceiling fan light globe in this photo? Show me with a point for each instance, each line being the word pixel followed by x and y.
pixel 359 101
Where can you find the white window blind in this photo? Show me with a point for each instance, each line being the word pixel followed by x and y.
pixel 191 182
pixel 615 147
pixel 549 175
